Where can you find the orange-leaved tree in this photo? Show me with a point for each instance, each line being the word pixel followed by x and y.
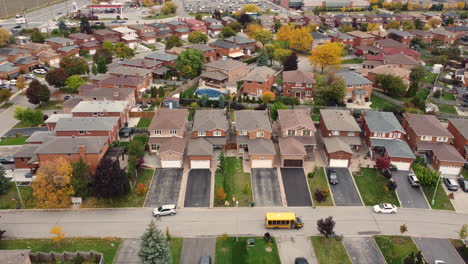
pixel 326 54
pixel 58 232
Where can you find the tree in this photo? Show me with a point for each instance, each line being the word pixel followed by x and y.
pixel 204 100
pixel 226 32
pixel 274 109
pixel 73 65
pixel 330 91
pixel 4 37
pixel 172 7
pixel 62 26
pixel 85 27
pixel 250 8
pixel 199 17
pixel 301 39
pixel 418 24
pixel 463 232
pixel 363 27
pixel 325 55
pixel 434 22
pixel 244 19
pixel 280 54
pixel 52 187
pixel 104 53
pixel 419 42
pixel 197 37
pixel 347 28
pixel 392 85
pixel 94 69
pixel 326 226
pixel 392 24
pixel 148 3
pixel 4 182
pixel 74 82
pixel 252 30
pixel 21 83
pixel 403 229
pixel 109 180
pixel 426 176
pixel 37 36
pixel 81 178
pixel 417 74
pixel 284 33
pixel 59 234
pixel 268 97
pixel 382 163
pixel 221 102
pixel 108 45
pixel 5 95
pixel 263 36
pixel 153 247
pixel 372 27
pixel 190 63
pixel 136 148
pixel 29 117
pixel 56 77
pixel 221 194
pixel 408 25
pixel 37 92
pixel 263 60
pixel 123 51
pixel 101 66
pixel 290 64
pixel 173 41
pixel 236 26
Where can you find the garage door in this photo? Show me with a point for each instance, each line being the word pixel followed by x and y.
pixel 262 163
pixel 403 166
pixel 200 164
pixel 292 163
pixel 338 163
pixel 449 170
pixel 171 163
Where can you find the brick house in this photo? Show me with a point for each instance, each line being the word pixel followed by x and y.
pixel 211 125
pixel 12 54
pixel 396 60
pixel 8 69
pixel 258 81
pixel 26 63
pixel 107 35
pixel 199 153
pixel 140 29
pixel 447 37
pixel 165 58
pixel 138 84
pixel 247 45
pixel 34 48
pixel 80 38
pixel 343 19
pixel 89 127
pixel 118 109
pixel 345 39
pixel 459 129
pixel 196 25
pixel 51 57
pixel 361 38
pixel 299 21
pixel 390 70
pixel 144 73
pixel 182 33
pixel 51 122
pixel 358 19
pixel 374 18
pixel 209 53
pixel 164 34
pixel 222 72
pixel 107 94
pixel 25 157
pixel 358 88
pixel 298 84
pixel 386 17
pixel 425 35
pixel 59 42
pixel 157 27
pixel 228 49
pixel 141 63
pixel 337 152
pixel 400 36
pixel 401 17
pixel 388 43
pixel 72 50
pixel 148 37
pixel 405 51
pixel 174 24
pixel 90 46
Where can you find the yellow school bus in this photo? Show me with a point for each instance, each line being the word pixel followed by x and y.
pixel 283 220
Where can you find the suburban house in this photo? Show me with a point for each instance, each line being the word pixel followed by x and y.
pixel 228 49
pixel 298 84
pixel 71 50
pixel 253 137
pixel 89 127
pixel 358 88
pixel 258 81
pixel 361 38
pixel 219 73
pixel 427 137
pixel 447 37
pixel 199 153
pixel 141 63
pixel 337 152
pixel 401 17
pixel 343 19
pixel 182 32
pixel 386 138
pixel 346 39
pixel 138 84
pixel 390 70
pixel 90 46
pixel 140 29
pixel 425 35
pixel 196 25
pixel 51 122
pixel 94 93
pixel 400 36
pixel 159 27
pixel 165 58
pixel 107 35
pixel 118 109
pixel 26 64
pixel 388 43
pixel 211 125
pixel 12 54
pixel 318 38
pixel 8 70
pixel 297 136
pixel 25 157
pixel 247 45
pixel 175 24
pixel 58 42
pixel 144 73
pixel 34 48
pixel 49 56
pixel 209 53
pixel 80 38
pixel 167 136
pixel 459 130
pixel 396 60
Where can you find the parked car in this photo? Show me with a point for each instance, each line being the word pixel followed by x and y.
pixel 413 180
pixel 66 97
pixel 5 86
pixel 126 132
pixel 463 184
pixel 40 71
pixel 451 184
pixel 29 76
pixel 11 82
pixel 205 260
pixel 385 208
pixel 301 261
pixel 168 209
pixel 332 177
pixel 114 21
pixel 7 160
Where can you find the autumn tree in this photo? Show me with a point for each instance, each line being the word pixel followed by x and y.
pixel 73 65
pixel 392 24
pixel 52 187
pixel 169 8
pixel 252 29
pixel 236 26
pixel 108 45
pixel 173 41
pixel 109 180
pixel 463 233
pixel 221 194
pixel 330 89
pixel 382 163
pixel 81 178
pixel 5 95
pixel 434 22
pixel 4 37
pixel 56 77
pixel 197 37
pixel 280 54
pixel 74 82
pixel 372 27
pixel 408 25
pixel 326 226
pixel 154 248
pixel 347 28
pixel 290 63
pixel 58 233
pixel 190 63
pixel 21 83
pixel 263 36
pixel 284 33
pixel 37 92
pixel 301 39
pixel 226 32
pixel 325 55
pixel 268 97
pixel 123 51
pixel 250 8
pixel 104 53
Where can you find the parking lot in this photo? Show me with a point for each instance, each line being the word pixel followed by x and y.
pixel 410 197
pixel 206 6
pixel 362 250
pixel 434 249
pixel 266 188
pixel 198 188
pixel 345 192
pixel 164 188
pixel 295 187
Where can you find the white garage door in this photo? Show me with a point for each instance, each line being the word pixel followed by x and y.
pixel 449 170
pixel 200 164
pixel 338 163
pixel 403 166
pixel 171 163
pixel 262 163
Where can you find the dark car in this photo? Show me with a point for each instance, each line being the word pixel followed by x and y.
pixel 332 177
pixel 413 180
pixel 301 261
pixel 126 132
pixel 451 184
pixel 463 184
pixel 205 260
pixel 7 160
pixel 66 97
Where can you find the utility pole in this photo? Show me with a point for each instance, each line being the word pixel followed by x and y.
pixel 237 221
pixel 435 191
pixel 5 8
pixel 25 19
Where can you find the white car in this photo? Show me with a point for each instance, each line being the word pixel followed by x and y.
pixel 385 208
pixel 40 71
pixel 11 82
pixel 168 209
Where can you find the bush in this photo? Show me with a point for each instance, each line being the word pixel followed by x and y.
pixel 28 116
pixel 321 195
pixel 426 176
pixel 391 185
pixel 141 189
pixel 311 175
pixel 221 194
pixel 436 94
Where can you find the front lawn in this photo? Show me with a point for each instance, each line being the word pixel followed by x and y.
pixel 8 201
pixel 236 183
pixel 6 105
pixel 465 173
pixel 144 122
pixel 395 248
pixel 229 251
pixel 329 250
pixel 423 94
pixel 352 61
pixel 429 77
pixel 448 109
pixel 22 124
pixel 441 200
pixel 319 181
pixel 379 103
pixel 13 141
pixel 50 105
pixel 159 16
pixel 175 244
pixel 461 248
pixel 448 97
pixel 371 185
pixel 129 200
pixel 107 246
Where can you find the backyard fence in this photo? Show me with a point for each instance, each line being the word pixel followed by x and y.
pixel 440 101
pixel 184 87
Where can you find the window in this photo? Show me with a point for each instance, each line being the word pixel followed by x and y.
pixel 201 133
pixel 173 132
pixel 249 81
pixel 335 133
pixel 426 138
pixel 259 83
pixel 349 86
pixel 309 85
pixel 441 139
pixel 349 95
pixel 260 134
pixel 102 113
pixel 154 147
pixel 289 91
pixel 291 132
pixel 351 134
pixel 306 133
pixel 69 154
pixel 359 86
pixel 94 98
pixel 88 132
pixel 390 135
pixel 243 133
pixel 81 132
pixel 157 132
pixel 217 133
pixel 308 93
pixel 298 84
pixel 94 114
pixel 397 135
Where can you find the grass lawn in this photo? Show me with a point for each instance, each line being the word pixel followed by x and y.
pixel 6 105
pixel 423 94
pixel 352 61
pixel 448 97
pixel 129 200
pixel 229 251
pixel 461 248
pixel 429 77
pixel 175 244
pixel 7 201
pixel 448 109
pixel 236 183
pixel 379 103
pixel 371 186
pixel 23 125
pixel 107 246
pixel 329 250
pixel 441 200
pixel 465 173
pixel 395 248
pixel 315 118
pixel 50 105
pixel 160 16
pixel 144 122
pixel 13 141
pixel 319 181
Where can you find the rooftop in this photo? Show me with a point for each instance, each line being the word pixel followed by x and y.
pixel 261 146
pixel 59 40
pixel 427 125
pixel 339 120
pixel 166 119
pixel 394 147
pixel 207 120
pixel 100 106
pixel 293 118
pixel 298 76
pixel 352 78
pixel 199 147
pixel 382 122
pixel 461 125
pixel 161 56
pixel 335 144
pixel 250 120
pixel 260 74
pixel 226 65
pixel 132 71
pixel 71 145
pixel 86 124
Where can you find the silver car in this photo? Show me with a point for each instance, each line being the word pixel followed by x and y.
pixel 168 209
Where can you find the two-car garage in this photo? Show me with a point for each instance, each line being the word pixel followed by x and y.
pixel 261 163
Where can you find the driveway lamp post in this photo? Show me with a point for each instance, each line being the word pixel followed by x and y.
pixel 16 184
pixel 237 224
pixel 435 191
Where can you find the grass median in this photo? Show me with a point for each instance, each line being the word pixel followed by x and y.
pixel 371 185
pixel 175 244
pixel 319 181
pixel 329 250
pixel 236 183
pixel 229 251
pixel 395 248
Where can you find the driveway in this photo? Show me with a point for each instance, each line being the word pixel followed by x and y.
pixel 266 188
pixel 194 248
pixel 363 250
pixel 128 252
pixel 438 249
pixel 460 201
pixel 198 189
pixel 164 188
pixel 292 247
pixel 345 192
pixel 295 187
pixel 410 197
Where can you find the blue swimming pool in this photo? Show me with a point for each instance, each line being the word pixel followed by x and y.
pixel 211 93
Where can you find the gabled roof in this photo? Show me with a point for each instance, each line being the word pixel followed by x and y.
pixel 261 146
pixel 291 146
pixel 12 51
pixel 405 51
pixel 174 144
pixel 395 148
pixel 226 65
pixel 360 34
pixel 107 93
pixel 127 70
pixel 100 106
pixel 340 35
pixel 215 75
pixel 40 136
pixel 318 35
pixel 68 48
pixel 382 122
pixel 166 119
pixel 293 118
pixel 120 80
pixel 71 145
pixel 8 67
pixel 86 124
pixel 336 144
pixel 443 32
pixel 161 56
pixel 260 74
pixel 419 32
pixel 461 125
pixel 223 44
pixel 207 120
pixel 59 40
pixel 298 76
pixel 391 70
pixel 158 25
pixel 54 118
pixel 140 63
pixel 352 78
pixel 400 59
pixel 199 147
pixel 26 151
pixel 250 120
pixel 427 125
pixel 26 60
pixel 388 43
pixel 104 32
pixel 202 47
pixel 239 40
pixel 339 120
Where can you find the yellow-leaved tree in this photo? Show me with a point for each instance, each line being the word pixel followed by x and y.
pixel 252 30
pixel 52 187
pixel 326 54
pixel 372 27
pixel 301 39
pixel 434 22
pixel 4 37
pixel 58 232
pixel 284 33
pixel 250 8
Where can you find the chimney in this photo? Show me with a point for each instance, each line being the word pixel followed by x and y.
pixel 82 151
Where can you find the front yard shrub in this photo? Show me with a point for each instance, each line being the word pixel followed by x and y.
pixel 426 176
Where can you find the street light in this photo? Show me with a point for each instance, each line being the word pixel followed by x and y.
pixel 435 191
pixel 16 184
pixel 237 224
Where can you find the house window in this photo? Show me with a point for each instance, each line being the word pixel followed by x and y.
pixel 259 83
pixel 88 132
pixel 157 132
pixel 349 95
pixel 309 85
pixel 154 147
pixel 81 132
pixel 397 135
pixel 201 133
pixel 173 132
pixel 102 113
pixel 289 91
pixel 260 134
pixel 349 86
pixel 308 93
pixel 426 138
pixel 69 154
pixel 94 114
pixel 243 133
pixel 441 139
pixel 291 132
pixel 351 134
pixel 335 133
pixel 306 133
pixel 217 133
pixel 390 135
pixel 298 84
pixel 249 81
pixel 94 98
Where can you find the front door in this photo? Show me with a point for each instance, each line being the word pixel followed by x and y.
pixel 298 95
pixel 359 96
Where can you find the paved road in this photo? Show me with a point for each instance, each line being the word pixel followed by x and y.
pixel 295 187
pixel 8 121
pixel 345 192
pixel 292 247
pixel 410 197
pixel 363 250
pixel 266 190
pixel 164 188
pixel 438 249
pixel 195 222
pixel 198 188
pixel 194 248
pixel 128 252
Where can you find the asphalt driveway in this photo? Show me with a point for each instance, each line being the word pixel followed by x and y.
pixel 128 252
pixel 410 197
pixel 194 248
pixel 363 250
pixel 266 188
pixel 198 189
pixel 438 249
pixel 164 188
pixel 295 187
pixel 345 192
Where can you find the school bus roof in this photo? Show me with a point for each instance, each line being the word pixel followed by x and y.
pixel 281 216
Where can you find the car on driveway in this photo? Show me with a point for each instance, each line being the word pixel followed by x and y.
pixel 7 160
pixel 29 76
pixel 40 71
pixel 126 132
pixel 11 82
pixel 205 260
pixel 301 261
pixel 413 180
pixel 168 209
pixel 463 184
pixel 332 177
pixel 385 208
pixel 451 184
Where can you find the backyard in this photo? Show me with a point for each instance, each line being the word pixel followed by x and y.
pixel 13 141
pixel 236 183
pixel 144 122
pixel 352 61
pixel 395 248
pixel 50 105
pixel 448 97
pixel 319 181
pixel 329 250
pixel 450 109
pixel 229 251
pixel 441 200
pixel 379 103
pixel 371 185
